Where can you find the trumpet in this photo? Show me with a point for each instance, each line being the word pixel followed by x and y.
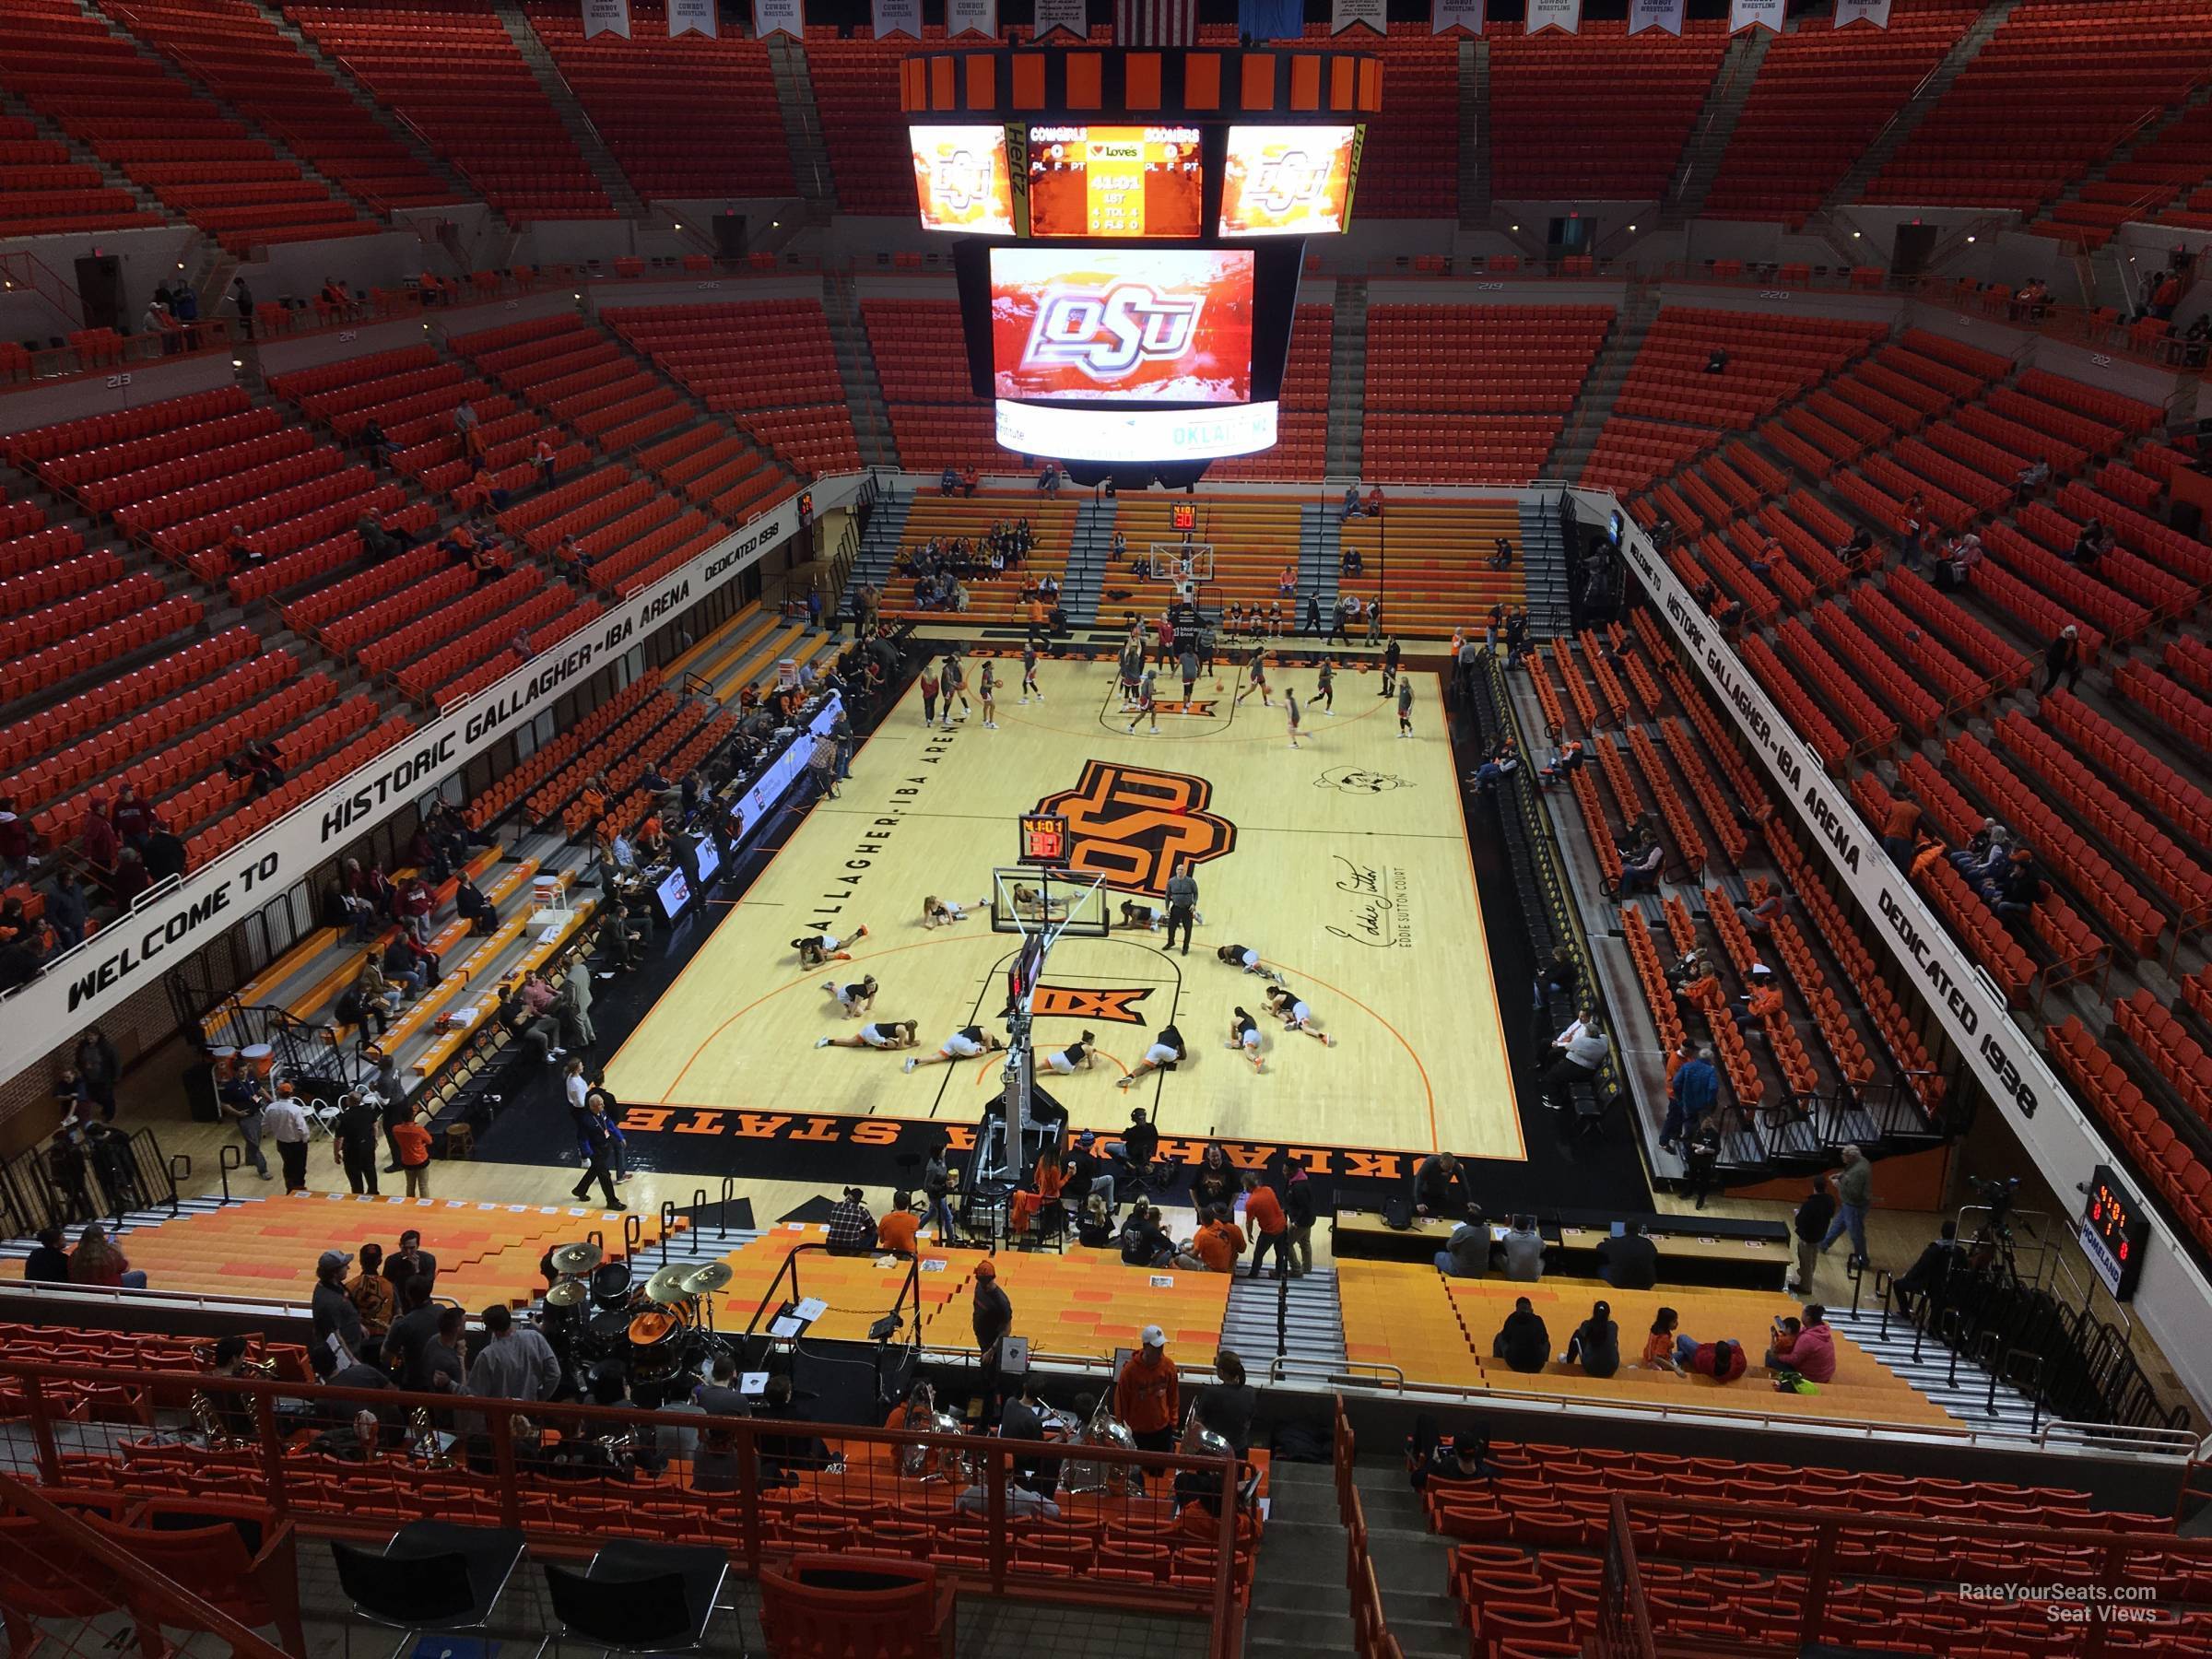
pixel 1104 1428
pixel 915 1462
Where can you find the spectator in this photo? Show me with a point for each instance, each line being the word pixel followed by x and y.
pixel 1596 1342
pixel 1351 501
pixel 67 910
pixel 1461 1463
pixel 48 1263
pixel 1467 1253
pixel 1701 1157
pixel 96 1262
pixel 515 1363
pixel 1523 1250
pixel 1297 1210
pixel 1807 1347
pixel 546 457
pixel 1217 1246
pixel 1640 866
pixel 896 1231
pixel 2029 480
pixel 338 1327
pixel 1583 1048
pixel 1759 918
pixel 1930 1275
pixel 1629 1260
pixel 286 1122
pixel 1854 1195
pixel 2016 888
pixel 852 1229
pixel 413 1144
pixel 950 481
pixel 2063 656
pixel 1694 1092
pixel 1523 1342
pixel 1723 1360
pixel 1271 1227
pixel 1899 825
pixel 1659 1343
pixel 1147 1395
pixel 242 296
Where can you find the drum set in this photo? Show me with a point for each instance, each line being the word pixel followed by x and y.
pixel 661 1330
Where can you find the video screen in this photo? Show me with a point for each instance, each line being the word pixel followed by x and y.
pixel 960 178
pixel 1167 325
pixel 1121 180
pixel 1288 181
pixel 673 894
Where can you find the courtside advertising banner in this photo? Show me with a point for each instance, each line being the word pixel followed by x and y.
pixel 779 16
pixel 166 924
pixel 1655 14
pixel 1349 14
pixel 1062 14
pixel 1554 14
pixel 970 16
pixel 694 17
pixel 1763 14
pixel 1876 12
pixel 889 17
pixel 1444 16
pixel 605 16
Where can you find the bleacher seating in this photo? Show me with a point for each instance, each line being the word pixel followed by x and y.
pixel 449 69
pixel 1410 166
pixel 1436 577
pixel 44 191
pixel 856 95
pixel 991 598
pixel 1302 429
pixel 1619 147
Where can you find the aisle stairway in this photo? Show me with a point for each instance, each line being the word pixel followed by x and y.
pixel 1412 1564
pixel 1891 138
pixel 582 132
pixel 1347 378
pixel 1961 1387
pixel 1300 1606
pixel 1089 552
pixel 879 543
pixel 1298 1318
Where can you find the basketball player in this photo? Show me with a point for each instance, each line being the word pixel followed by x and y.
pixel 929 694
pixel 1167 1050
pixel 940 912
pixel 1405 706
pixel 1296 1017
pixel 1391 657
pixel 1141 915
pixel 1257 667
pixel 1189 666
pixel 1028 673
pixel 989 688
pixel 951 683
pixel 1325 687
pixel 1030 903
pixel 877 1034
pixel 816 949
pixel 966 1043
pixel 1238 956
pixel 1132 670
pixel 1076 1056
pixel 1244 1037
pixel 1290 713
pixel 855 1000
pixel 1148 703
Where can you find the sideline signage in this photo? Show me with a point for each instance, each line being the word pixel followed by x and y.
pixel 89 983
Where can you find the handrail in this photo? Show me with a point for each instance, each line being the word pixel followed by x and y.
pixel 910 1286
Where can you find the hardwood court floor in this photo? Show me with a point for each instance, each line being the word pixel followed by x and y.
pixel 1344 863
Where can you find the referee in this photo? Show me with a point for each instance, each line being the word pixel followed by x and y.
pixel 1183 903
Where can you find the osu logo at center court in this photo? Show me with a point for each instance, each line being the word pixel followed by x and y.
pixel 1107 335
pixel 1133 824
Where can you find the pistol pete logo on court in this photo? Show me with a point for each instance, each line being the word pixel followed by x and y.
pixel 1133 824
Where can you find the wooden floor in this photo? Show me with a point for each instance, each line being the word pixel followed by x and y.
pixel 1347 867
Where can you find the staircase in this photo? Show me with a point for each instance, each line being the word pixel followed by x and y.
pixel 111 176
pixel 1090 554
pixel 1960 1386
pixel 1474 134
pixel 1295 1318
pixel 1925 98
pixel 1413 1565
pixel 1716 124
pixel 856 368
pixel 2146 131
pixel 1347 378
pixel 1300 1606
pixel 1608 372
pixel 802 128
pixel 582 132
pixel 879 543
pixel 1546 571
pixel 1320 547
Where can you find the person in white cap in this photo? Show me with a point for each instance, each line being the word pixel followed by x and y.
pixel 1147 1395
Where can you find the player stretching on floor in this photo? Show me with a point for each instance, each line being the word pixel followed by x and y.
pixel 964 1045
pixel 1238 956
pixel 1404 705
pixel 1244 1037
pixel 1028 673
pixel 1167 1050
pixel 878 1034
pixel 1076 1056
pixel 1324 687
pixel 815 949
pixel 855 1000
pixel 1290 713
pixel 941 912
pixel 1296 1017
pixel 1141 915
pixel 1148 701
pixel 1258 669
pixel 989 687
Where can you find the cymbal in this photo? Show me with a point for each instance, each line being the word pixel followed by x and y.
pixel 577 1258
pixel 567 1293
pixel 668 1284
pixel 705 1281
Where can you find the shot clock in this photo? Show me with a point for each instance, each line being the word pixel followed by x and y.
pixel 2114 1230
pixel 1043 836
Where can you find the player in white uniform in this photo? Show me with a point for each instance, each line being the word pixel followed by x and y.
pixel 855 1000
pixel 1244 1037
pixel 816 948
pixel 1147 916
pixel 943 913
pixel 1240 956
pixel 1076 1056
pixel 967 1043
pixel 877 1034
pixel 1296 1017
pixel 1167 1049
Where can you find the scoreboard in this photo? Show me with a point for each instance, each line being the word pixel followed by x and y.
pixel 2112 1232
pixel 1133 228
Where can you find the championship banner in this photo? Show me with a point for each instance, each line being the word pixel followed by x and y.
pixel 1876 12
pixel 1356 14
pixel 1554 13
pixel 1764 14
pixel 1152 22
pixel 970 16
pixel 605 16
pixel 694 17
pixel 1262 21
pixel 897 17
pixel 1444 16
pixel 1062 14
pixel 778 17
pixel 1655 14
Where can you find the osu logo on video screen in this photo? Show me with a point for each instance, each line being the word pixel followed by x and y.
pixel 1291 180
pixel 1106 335
pixel 1133 824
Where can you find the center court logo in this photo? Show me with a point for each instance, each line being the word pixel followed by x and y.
pixel 1133 824
pixel 1116 1006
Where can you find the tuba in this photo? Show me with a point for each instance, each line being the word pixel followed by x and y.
pixel 429 1444
pixel 1103 1429
pixel 915 1462
pixel 1198 1441
pixel 205 1416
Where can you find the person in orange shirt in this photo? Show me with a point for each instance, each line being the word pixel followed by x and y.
pixel 896 1231
pixel 1217 1246
pixel 1765 997
pixel 1270 1228
pixel 1146 1395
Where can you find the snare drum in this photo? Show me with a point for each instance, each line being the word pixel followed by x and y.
pixel 225 1061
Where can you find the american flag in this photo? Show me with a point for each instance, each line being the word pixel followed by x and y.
pixel 1156 22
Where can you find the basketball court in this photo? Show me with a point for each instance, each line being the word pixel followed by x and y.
pixel 1344 863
